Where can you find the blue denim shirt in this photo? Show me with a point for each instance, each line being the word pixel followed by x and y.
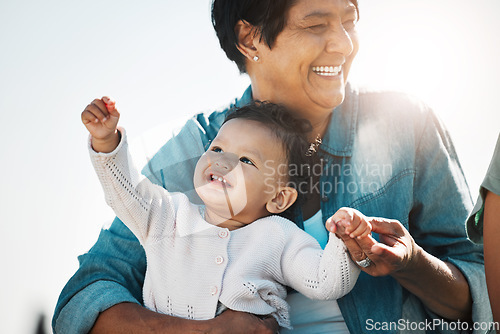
pixel 386 154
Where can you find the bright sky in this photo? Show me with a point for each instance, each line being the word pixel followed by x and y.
pixel 162 63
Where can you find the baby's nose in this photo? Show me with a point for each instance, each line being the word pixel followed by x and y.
pixel 226 161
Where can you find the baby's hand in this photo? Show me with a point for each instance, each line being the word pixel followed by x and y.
pixel 354 223
pixel 100 118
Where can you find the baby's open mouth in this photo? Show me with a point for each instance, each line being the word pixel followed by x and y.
pixel 219 179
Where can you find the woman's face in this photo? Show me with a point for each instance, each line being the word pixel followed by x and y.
pixel 307 68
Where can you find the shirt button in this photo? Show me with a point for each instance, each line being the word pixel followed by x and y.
pixel 223 233
pixel 219 259
pixel 213 290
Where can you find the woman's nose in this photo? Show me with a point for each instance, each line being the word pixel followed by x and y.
pixel 339 41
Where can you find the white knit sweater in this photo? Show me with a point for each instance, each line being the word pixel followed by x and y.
pixel 192 264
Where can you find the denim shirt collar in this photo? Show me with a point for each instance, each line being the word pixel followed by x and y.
pixel 245 99
pixel 339 137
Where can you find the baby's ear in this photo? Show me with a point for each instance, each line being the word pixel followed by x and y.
pixel 282 200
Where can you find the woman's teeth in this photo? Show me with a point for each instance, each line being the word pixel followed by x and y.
pixel 327 70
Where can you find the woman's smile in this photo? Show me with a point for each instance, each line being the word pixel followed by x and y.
pixel 328 70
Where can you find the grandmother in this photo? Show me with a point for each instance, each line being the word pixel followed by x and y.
pixel 383 153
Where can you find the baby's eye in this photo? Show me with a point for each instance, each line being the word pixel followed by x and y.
pixel 245 160
pixel 216 149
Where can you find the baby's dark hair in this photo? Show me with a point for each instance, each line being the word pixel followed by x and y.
pixel 293 133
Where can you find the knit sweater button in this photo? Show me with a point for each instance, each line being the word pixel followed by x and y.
pixel 213 290
pixel 223 233
pixel 219 259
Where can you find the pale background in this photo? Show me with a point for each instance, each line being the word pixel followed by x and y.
pixel 161 61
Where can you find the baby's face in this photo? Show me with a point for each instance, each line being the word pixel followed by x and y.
pixel 238 174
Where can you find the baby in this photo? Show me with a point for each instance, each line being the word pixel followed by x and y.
pixel 234 251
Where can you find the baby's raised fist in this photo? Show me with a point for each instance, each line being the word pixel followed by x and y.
pixel 101 117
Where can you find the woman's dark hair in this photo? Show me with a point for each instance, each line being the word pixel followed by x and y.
pixel 267 16
pixel 293 133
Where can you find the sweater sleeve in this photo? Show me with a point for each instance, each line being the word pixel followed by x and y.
pixel 318 274
pixel 145 208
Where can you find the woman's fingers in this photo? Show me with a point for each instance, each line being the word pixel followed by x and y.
pixel 365 244
pixel 396 248
pixel 356 252
pixel 392 253
pixel 386 226
pixel 353 245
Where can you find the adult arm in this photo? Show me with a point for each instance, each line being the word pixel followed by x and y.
pixel 439 285
pixel 133 318
pixel 111 272
pixel 436 262
pixel 491 237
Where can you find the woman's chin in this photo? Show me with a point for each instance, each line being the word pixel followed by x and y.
pixel 329 103
pixel 327 97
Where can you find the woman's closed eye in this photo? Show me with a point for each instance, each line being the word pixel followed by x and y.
pixel 317 27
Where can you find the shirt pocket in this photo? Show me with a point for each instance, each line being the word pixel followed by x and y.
pixel 393 200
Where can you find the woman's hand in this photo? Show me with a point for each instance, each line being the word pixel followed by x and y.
pixel 396 250
pixel 439 285
pixel 100 118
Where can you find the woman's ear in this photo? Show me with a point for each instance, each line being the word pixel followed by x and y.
pixel 245 33
pixel 282 200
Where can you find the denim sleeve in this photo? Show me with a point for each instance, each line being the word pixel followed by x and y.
pixel 441 205
pixel 111 272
